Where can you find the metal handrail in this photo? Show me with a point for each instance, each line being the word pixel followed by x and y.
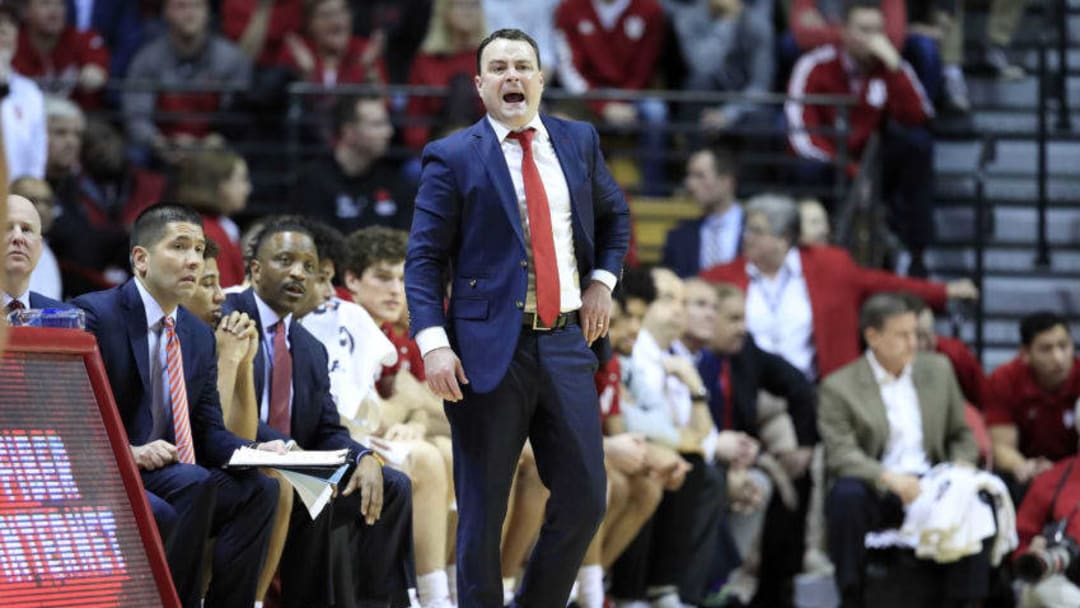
pixel 1042 255
pixel 987 155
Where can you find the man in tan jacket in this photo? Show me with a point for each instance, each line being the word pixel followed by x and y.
pixel 885 420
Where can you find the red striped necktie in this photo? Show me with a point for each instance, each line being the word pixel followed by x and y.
pixel 174 362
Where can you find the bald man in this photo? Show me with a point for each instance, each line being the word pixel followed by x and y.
pixel 22 251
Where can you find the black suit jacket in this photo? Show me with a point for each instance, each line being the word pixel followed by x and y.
pixel 118 319
pixel 315 422
pixel 752 370
pixel 682 247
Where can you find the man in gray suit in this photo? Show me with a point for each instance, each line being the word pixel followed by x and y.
pixel 885 419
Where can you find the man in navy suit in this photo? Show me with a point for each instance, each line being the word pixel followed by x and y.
pixel 376 502
pixel 138 326
pixel 715 237
pixel 521 213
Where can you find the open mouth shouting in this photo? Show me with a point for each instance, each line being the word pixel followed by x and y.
pixel 514 97
pixel 294 290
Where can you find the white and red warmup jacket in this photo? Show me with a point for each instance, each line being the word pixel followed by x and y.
pixel 881 94
pixel 595 52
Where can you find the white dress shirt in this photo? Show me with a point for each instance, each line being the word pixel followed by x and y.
pixel 662 403
pixel 558 195
pixel 778 313
pixel 357 351
pixel 904 452
pixel 268 318
pixel 25 137
pixel 720 235
pixel 46 276
pixel 161 410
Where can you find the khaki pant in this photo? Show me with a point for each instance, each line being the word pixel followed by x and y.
pixel 1003 20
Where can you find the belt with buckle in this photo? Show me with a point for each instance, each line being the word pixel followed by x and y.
pixel 532 321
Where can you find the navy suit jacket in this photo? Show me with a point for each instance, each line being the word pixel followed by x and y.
pixel 39 301
pixel 467 226
pixel 315 422
pixel 682 248
pixel 118 319
pixel 753 369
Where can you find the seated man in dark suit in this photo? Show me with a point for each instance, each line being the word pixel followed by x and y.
pixel 292 386
pixel 886 419
pixel 737 371
pixel 162 367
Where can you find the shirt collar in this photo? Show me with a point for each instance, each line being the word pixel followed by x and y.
pixel 883 376
pixel 268 317
pixel 154 312
pixel 24 298
pixel 502 130
pixel 792 265
pixel 731 217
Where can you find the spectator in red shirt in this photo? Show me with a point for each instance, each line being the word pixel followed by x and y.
pixel 64 60
pixel 259 27
pixel 447 58
pixel 969 372
pixel 216 184
pixel 1053 497
pixel 616 44
pixel 867 65
pixel 328 53
pixel 1031 399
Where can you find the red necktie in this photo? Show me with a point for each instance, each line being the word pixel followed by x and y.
pixel 725 388
pixel 543 240
pixel 174 362
pixel 280 382
pixel 14 306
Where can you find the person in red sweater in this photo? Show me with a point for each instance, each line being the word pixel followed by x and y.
pixel 447 58
pixel 64 60
pixel 616 44
pixel 216 184
pixel 890 98
pixel 802 303
pixel 328 53
pixel 1031 399
pixel 259 27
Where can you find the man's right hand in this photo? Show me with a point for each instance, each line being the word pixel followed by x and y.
pixel 903 485
pixel 444 373
pixel 883 49
pixel 154 455
pixel 736 448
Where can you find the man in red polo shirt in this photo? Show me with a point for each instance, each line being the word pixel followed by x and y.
pixel 1031 399
pixel 66 61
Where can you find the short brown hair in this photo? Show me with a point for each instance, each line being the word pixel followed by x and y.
pixel 507 34
pixel 369 246
pixel 201 174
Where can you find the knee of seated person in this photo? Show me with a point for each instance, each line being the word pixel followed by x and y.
pixel 425 462
pixel 846 491
pixel 618 487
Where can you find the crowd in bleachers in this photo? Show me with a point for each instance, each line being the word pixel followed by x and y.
pixel 774 412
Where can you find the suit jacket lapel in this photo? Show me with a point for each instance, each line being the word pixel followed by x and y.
pixel 869 394
pixel 137 331
pixel 571 163
pixel 489 149
pixel 927 410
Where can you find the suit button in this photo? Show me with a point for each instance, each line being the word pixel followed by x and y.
pixel 519 304
pixel 472 282
pixel 524 263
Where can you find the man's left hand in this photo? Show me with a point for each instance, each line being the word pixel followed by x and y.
pixel 595 311
pixel 368 478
